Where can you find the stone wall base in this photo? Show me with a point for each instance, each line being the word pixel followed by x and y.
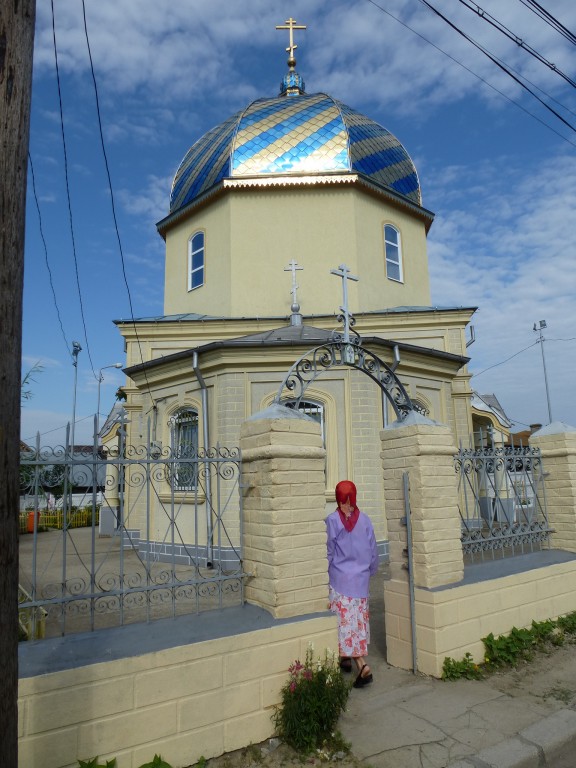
pixel 201 699
pixel 452 620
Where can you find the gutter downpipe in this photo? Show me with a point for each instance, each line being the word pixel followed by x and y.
pixel 206 430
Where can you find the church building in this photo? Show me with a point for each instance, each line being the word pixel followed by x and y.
pixel 270 214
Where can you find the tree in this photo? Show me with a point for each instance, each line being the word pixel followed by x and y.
pixel 16 46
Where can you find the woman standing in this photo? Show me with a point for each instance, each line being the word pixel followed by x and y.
pixel 352 559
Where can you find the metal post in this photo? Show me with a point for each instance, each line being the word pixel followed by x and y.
pixel 76 349
pixel 407 521
pixel 100 380
pixel 541 325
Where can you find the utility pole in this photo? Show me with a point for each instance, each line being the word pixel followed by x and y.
pixel 16 46
pixel 538 329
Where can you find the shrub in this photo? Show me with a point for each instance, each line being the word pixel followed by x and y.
pixel 312 699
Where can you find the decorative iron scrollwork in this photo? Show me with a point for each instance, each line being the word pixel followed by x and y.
pixel 340 353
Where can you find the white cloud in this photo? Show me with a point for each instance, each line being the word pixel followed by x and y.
pixel 508 248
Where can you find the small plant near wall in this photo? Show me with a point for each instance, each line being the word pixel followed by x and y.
pixel 313 698
pixel 157 762
pixel 454 670
pixel 517 646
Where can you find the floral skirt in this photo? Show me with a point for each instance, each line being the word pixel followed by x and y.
pixel 353 623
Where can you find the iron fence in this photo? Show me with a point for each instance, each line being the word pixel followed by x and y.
pixel 502 499
pixel 150 548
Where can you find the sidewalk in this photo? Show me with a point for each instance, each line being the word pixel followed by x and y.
pixel 522 718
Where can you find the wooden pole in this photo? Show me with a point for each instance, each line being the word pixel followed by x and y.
pixel 16 47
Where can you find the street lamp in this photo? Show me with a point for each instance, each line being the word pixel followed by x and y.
pixel 76 349
pixel 538 328
pixel 100 380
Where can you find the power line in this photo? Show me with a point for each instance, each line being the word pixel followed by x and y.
pixel 485 16
pixel 70 217
pixel 112 199
pixel 498 63
pixel 475 375
pixel 471 71
pixel 46 253
pixel 547 17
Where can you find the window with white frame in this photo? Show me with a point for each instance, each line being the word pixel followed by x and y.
pixel 196 255
pixel 312 409
pixel 184 439
pixel 393 250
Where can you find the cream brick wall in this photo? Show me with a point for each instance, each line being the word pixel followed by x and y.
pixel 559 460
pixel 453 621
pixel 365 425
pixel 426 453
pixel 201 699
pixel 284 535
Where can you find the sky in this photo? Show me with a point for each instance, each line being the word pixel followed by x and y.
pixel 496 167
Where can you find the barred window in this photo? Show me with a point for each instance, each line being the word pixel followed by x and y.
pixel 185 447
pixel 312 409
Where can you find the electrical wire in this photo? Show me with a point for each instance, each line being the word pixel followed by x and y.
pixel 46 254
pixel 547 17
pixel 66 176
pixel 496 61
pixel 475 375
pixel 488 18
pixel 474 74
pixel 112 198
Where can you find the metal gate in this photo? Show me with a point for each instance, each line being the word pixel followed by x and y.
pixel 502 499
pixel 128 534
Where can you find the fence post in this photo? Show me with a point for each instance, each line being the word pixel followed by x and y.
pixel 425 450
pixel 557 444
pixel 284 535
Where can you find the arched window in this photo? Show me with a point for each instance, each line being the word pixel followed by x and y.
pixel 393 249
pixel 419 407
pixel 184 444
pixel 312 409
pixel 196 261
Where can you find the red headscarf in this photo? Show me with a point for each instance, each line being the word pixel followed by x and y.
pixel 346 491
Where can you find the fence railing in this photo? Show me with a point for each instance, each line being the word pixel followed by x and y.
pixel 502 500
pixel 148 549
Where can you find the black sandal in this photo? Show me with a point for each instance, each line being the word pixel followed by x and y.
pixel 363 680
pixel 346 664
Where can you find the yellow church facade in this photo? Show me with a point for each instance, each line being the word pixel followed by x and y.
pixel 264 209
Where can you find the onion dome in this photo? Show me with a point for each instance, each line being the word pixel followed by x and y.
pixel 295 134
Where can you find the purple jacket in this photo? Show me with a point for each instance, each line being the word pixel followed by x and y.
pixel 352 556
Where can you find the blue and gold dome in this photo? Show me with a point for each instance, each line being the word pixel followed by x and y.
pixel 295 134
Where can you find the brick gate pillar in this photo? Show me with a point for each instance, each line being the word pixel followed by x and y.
pixel 426 451
pixel 284 534
pixel 557 443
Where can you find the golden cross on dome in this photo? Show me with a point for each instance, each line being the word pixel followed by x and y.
pixel 290 24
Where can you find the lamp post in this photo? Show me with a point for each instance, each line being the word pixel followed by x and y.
pixel 100 380
pixel 76 349
pixel 538 328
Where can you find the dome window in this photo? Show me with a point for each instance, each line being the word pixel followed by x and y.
pixel 196 261
pixel 393 251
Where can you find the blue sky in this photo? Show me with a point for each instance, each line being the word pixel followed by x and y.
pixel 502 185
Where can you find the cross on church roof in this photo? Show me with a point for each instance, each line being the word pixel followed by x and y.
pixel 344 273
pixel 293 267
pixel 290 24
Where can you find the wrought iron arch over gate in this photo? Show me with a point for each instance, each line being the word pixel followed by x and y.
pixel 337 353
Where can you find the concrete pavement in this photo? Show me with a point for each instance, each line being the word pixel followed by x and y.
pixel 514 719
